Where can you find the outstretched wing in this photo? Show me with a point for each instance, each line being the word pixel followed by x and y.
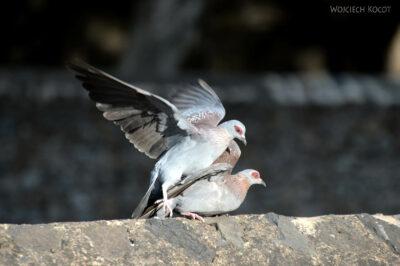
pixel 199 104
pixel 149 121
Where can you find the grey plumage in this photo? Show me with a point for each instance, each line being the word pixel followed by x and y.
pixel 178 188
pixel 218 194
pixel 150 123
pixel 224 164
pixel 212 191
pixel 199 104
pixel 185 136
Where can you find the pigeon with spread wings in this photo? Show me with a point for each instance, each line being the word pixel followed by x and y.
pixel 184 135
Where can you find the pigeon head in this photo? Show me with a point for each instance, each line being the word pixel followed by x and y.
pixel 236 129
pixel 253 176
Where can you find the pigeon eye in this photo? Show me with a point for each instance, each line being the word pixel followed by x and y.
pixel 239 130
pixel 255 174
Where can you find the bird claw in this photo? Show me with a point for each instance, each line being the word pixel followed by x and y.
pixel 167 208
pixel 193 216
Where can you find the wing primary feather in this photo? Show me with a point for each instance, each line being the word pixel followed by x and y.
pixel 151 123
pixel 199 104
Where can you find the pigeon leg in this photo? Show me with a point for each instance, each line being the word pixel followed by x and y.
pixel 167 203
pixel 193 215
pixel 167 208
pixel 163 212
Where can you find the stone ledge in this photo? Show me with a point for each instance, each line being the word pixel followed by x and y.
pixel 272 239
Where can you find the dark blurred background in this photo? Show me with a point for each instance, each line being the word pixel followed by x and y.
pixel 318 89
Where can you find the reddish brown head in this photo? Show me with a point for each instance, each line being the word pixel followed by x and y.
pixel 253 176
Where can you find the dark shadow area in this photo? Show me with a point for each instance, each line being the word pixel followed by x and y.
pixel 318 90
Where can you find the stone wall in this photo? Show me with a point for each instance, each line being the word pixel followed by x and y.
pixel 266 239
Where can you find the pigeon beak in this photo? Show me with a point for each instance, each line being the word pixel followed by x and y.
pixel 263 183
pixel 243 139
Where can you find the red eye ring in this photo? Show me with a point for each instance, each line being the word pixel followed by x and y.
pixel 238 129
pixel 255 174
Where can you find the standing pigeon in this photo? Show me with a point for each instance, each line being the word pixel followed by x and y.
pixel 184 135
pixel 219 194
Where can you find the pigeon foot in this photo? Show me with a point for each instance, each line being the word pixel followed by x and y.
pixel 193 216
pixel 167 208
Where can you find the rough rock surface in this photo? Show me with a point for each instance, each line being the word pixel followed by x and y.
pixel 272 239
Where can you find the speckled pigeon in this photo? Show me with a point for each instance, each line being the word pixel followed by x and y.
pixel 224 164
pixel 219 194
pixel 213 191
pixel 184 134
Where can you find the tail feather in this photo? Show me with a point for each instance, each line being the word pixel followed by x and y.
pixel 142 204
pixel 145 200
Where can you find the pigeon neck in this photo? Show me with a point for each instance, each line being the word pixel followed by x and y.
pixel 228 127
pixel 239 185
pixel 231 155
